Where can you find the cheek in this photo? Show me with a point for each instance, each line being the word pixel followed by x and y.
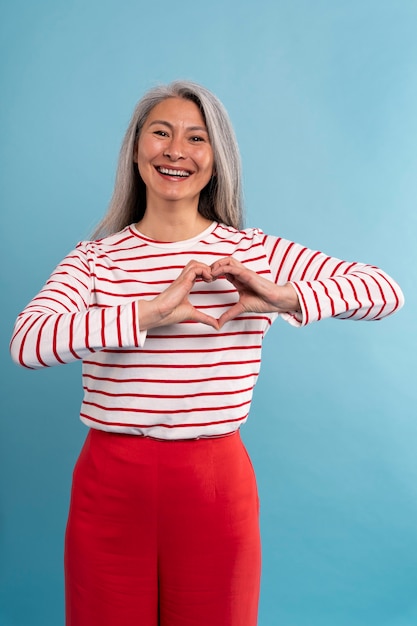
pixel 207 161
pixel 146 150
pixel 144 157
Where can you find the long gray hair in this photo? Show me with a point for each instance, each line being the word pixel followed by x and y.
pixel 220 200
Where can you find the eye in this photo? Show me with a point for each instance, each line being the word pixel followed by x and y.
pixel 196 138
pixel 160 133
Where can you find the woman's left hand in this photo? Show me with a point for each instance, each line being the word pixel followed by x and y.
pixel 256 294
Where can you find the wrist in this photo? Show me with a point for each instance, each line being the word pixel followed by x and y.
pixel 289 299
pixel 149 315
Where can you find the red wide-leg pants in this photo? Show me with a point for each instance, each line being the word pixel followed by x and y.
pixel 162 533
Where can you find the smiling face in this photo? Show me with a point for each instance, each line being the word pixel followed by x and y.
pixel 174 154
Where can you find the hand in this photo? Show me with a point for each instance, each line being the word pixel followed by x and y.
pixel 256 294
pixel 172 306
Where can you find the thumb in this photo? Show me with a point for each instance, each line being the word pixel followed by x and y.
pixel 231 313
pixel 203 318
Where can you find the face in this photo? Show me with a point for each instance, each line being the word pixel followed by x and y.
pixel 174 154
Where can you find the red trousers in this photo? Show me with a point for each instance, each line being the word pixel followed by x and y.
pixel 162 533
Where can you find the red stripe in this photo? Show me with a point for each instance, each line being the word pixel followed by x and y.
pixel 284 258
pixel 341 294
pixel 103 328
pixel 125 409
pixel 65 295
pixel 349 268
pixel 75 267
pixel 275 246
pixel 294 265
pixel 66 275
pixel 355 294
pixel 135 323
pixel 19 329
pixel 336 269
pixel 119 327
pixel 319 271
pixel 206 336
pixel 71 337
pixel 308 265
pixel 303 300
pixel 317 303
pixel 130 281
pixel 384 278
pixel 38 343
pixel 382 297
pixel 127 237
pixel 326 291
pixel 169 381
pixel 368 293
pixel 135 258
pixel 55 340
pixel 43 297
pixel 23 341
pixel 170 366
pixel 192 425
pixel 182 396
pixel 190 351
pixel 43 310
pixel 148 294
pixel 65 283
pixel 87 331
pixel 397 302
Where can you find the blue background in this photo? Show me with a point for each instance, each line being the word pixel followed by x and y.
pixel 323 96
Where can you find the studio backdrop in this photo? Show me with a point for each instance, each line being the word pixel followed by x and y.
pixel 323 97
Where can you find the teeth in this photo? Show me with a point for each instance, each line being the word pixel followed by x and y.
pixel 169 172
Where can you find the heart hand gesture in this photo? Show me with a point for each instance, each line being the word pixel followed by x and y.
pixel 256 294
pixel 172 306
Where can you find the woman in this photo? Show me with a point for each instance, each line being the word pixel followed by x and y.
pixel 168 311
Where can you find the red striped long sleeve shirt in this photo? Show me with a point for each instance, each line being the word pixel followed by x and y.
pixel 185 380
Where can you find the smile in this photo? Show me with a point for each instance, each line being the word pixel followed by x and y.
pixel 170 172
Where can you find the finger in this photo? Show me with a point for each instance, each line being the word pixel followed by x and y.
pixel 231 268
pixel 231 313
pixel 198 270
pixel 189 275
pixel 219 266
pixel 195 274
pixel 203 318
pixel 245 279
pixel 236 282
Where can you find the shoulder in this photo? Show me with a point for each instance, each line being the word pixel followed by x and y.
pixel 234 235
pixel 121 240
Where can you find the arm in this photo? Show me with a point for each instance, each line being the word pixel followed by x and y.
pixel 61 324
pixel 308 286
pixel 329 287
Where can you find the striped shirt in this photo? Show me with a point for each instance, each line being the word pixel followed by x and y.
pixel 185 380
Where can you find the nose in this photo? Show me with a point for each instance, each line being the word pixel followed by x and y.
pixel 174 150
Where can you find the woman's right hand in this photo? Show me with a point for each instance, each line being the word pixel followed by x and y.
pixel 172 306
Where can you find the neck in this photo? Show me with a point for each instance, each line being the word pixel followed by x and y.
pixel 172 224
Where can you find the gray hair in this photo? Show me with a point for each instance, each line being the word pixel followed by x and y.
pixel 220 200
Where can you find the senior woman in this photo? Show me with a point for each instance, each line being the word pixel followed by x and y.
pixel 167 307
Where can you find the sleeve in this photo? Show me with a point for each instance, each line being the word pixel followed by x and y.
pixel 329 287
pixel 60 325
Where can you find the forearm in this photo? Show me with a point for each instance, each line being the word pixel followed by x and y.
pixel 329 287
pixel 366 293
pixel 150 315
pixel 289 300
pixel 45 338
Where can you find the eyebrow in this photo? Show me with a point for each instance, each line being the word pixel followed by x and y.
pixel 203 128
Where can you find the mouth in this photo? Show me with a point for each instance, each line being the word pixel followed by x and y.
pixel 173 172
